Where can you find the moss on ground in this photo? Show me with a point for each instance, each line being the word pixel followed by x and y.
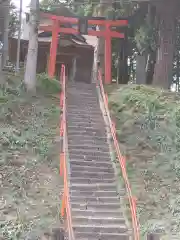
pixel 30 185
pixel 148 129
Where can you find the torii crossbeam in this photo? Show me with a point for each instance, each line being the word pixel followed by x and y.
pixel 108 34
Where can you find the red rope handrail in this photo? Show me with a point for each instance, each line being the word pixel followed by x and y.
pixel 122 161
pixel 65 208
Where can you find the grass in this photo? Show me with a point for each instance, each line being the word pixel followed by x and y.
pixel 148 129
pixel 29 172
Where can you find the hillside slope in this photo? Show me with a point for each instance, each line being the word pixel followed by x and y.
pixel 30 185
pixel 148 128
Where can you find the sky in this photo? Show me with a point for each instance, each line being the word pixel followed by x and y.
pixel 25 4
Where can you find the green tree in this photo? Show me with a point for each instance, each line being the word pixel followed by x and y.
pixel 167 12
pixel 14 19
pixel 156 38
pixel 59 7
pixel 51 4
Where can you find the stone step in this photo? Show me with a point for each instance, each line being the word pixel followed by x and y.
pixel 76 212
pixel 87 129
pixel 79 88
pixel 74 103
pixel 86 124
pixel 77 111
pixel 82 84
pixel 90 97
pixel 94 206
pixel 75 119
pixel 86 174
pixel 79 140
pixel 93 163
pixel 100 159
pixel 87 121
pixel 94 187
pixel 85 111
pixel 98 220
pixel 84 91
pixel 82 198
pixel 91 180
pixel 95 203
pixel 86 193
pixel 90 153
pixel 93 147
pixel 103 236
pixel 86 133
pixel 94 125
pixel 86 94
pixel 91 168
pixel 84 98
pixel 87 139
pixel 84 106
pixel 95 228
pixel 89 156
pixel 87 117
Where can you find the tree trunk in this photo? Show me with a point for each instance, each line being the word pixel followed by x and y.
pixel 31 63
pixel 150 67
pixel 19 39
pixel 140 69
pixel 123 77
pixel 6 8
pixel 2 78
pixel 163 73
pixel 151 58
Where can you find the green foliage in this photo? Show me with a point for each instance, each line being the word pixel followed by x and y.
pixel 88 9
pixel 14 19
pixel 58 7
pixel 50 4
pixel 148 130
pixel 46 84
pixel 145 38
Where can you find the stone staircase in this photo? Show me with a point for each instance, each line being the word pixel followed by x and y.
pixel 95 203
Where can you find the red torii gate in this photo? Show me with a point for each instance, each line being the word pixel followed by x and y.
pixel 107 34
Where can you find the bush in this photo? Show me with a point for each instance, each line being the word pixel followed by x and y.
pixel 47 84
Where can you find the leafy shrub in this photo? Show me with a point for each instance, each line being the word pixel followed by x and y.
pixel 46 84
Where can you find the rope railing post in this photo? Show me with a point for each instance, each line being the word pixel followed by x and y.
pixel 65 207
pixel 122 161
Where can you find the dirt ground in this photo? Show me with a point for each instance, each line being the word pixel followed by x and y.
pixel 30 185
